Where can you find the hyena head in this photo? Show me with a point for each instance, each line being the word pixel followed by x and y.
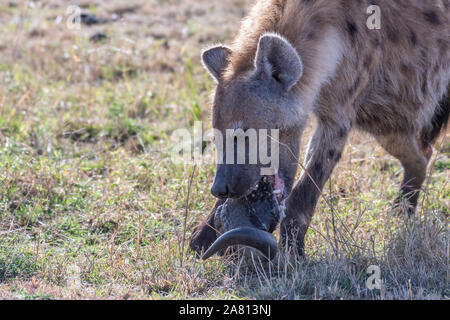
pixel 260 98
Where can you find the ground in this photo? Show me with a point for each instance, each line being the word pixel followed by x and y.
pixel 92 207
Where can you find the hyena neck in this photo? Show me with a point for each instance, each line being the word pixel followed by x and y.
pixel 320 67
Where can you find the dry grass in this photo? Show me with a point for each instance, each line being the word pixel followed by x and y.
pixel 92 207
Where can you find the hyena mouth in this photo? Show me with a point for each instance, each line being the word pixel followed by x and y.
pixel 276 185
pixel 250 220
pixel 278 188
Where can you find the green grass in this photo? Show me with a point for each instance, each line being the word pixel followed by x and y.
pixel 92 207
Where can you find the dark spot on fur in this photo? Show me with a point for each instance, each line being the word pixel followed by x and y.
pixel 413 38
pixel 432 17
pixel 352 29
pixel 376 42
pixel 331 153
pixel 342 132
pixel 392 34
pixel 424 87
pixel 436 68
pixel 405 69
pixel 424 54
pixel 318 172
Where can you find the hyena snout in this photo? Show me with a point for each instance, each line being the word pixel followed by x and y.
pixel 234 181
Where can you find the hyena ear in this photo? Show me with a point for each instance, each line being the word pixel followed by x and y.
pixel 215 60
pixel 277 58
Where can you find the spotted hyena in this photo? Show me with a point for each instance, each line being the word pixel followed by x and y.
pixel 297 59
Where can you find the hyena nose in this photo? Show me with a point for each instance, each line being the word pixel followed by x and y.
pixel 228 183
pixel 220 189
pixel 224 191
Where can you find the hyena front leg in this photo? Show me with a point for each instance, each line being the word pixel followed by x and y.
pixel 324 152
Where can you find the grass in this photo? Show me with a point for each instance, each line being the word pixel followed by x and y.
pixel 91 207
